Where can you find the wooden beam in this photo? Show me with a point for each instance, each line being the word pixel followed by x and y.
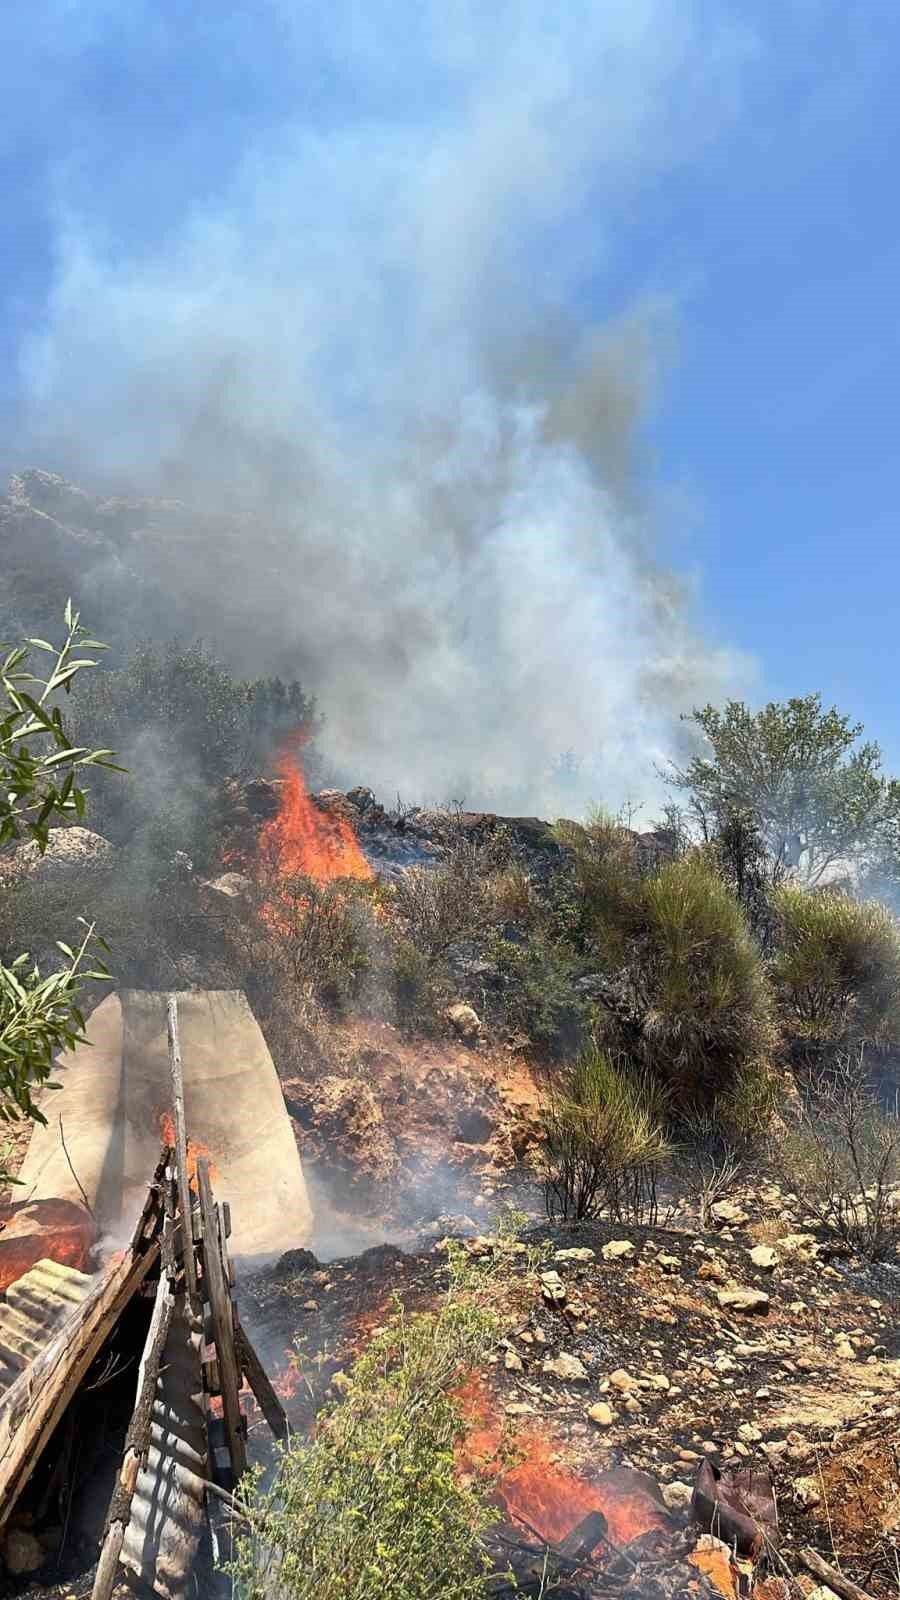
pixel 829 1575
pixel 257 1377
pixel 184 1188
pixel 216 1290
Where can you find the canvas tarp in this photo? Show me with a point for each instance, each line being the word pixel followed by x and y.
pixel 107 1121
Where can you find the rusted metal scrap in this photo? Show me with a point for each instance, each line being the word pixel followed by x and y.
pixel 738 1508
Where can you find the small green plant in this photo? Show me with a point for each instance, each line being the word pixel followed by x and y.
pixel 603 1142
pixel 38 761
pixel 373 1507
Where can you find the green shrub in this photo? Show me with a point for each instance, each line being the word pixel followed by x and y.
pixel 540 997
pixel 373 1505
pixel 415 987
pixel 698 988
pixel 603 1142
pixel 604 913
pixel 837 968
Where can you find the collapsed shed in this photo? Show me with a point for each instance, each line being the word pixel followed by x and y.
pixel 166 1292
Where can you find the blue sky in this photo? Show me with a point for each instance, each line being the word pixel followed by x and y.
pixel 341 218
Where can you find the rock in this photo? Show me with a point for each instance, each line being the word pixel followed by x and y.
pixel 564 1366
pixel 617 1250
pixel 797 1246
pixel 678 1495
pixel 512 1362
pixel 715 1271
pixel 623 1381
pixel 728 1215
pixel 764 1257
pixel 747 1300
pixel 68 850
pixel 602 1414
pixel 481 1245
pixel 232 885
pixel 807 1492
pixel 553 1289
pixel 749 1433
pixel 577 1253
pixel 464 1020
pixel 669 1263
pixel 363 799
pixel 22 1552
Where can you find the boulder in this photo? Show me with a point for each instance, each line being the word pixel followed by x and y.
pixel 564 1366
pixel 746 1300
pixel 69 850
pixel 465 1021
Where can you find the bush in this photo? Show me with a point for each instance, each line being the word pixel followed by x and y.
pixel 603 1142
pixel 698 988
pixel 415 987
pixel 604 913
pixel 540 994
pixel 374 1505
pixel 837 968
pixel 841 1158
pixel 324 935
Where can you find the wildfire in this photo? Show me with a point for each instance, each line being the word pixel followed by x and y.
pixel 301 839
pixel 536 1489
pixel 196 1150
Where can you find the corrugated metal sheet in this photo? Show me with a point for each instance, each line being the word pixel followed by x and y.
pixel 168 1510
pixel 32 1309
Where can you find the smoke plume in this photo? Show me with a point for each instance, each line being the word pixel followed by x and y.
pixel 379 362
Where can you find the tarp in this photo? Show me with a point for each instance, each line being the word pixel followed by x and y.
pixel 107 1121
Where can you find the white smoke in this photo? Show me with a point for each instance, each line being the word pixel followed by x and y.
pixel 378 343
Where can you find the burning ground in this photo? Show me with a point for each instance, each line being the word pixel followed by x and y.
pixel 654 1350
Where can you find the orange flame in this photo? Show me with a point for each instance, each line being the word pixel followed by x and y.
pixel 196 1150
pixel 301 839
pixel 537 1490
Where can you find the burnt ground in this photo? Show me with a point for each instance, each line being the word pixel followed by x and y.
pixel 806 1386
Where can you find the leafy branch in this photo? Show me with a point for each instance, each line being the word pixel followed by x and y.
pixel 38 765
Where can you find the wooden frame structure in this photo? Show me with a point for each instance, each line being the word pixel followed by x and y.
pixel 182 1235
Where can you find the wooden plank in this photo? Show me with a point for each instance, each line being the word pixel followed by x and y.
pixel 831 1577
pixel 223 1322
pixel 36 1402
pixel 184 1188
pixel 258 1379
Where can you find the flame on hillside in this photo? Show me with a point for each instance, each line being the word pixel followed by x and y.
pixel 302 840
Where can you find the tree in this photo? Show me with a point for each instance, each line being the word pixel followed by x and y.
pixel 38 769
pixel 821 799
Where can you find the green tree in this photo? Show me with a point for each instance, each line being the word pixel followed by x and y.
pixel 821 797
pixel 39 766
